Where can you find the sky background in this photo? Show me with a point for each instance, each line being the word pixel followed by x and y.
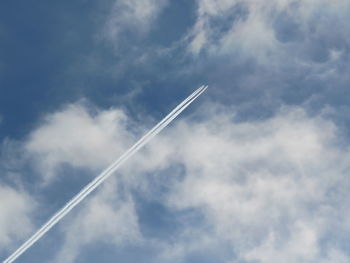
pixel 256 170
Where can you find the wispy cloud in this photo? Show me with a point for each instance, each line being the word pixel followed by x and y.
pixel 132 17
pixel 266 31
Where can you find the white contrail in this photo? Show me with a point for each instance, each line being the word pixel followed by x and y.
pixel 104 175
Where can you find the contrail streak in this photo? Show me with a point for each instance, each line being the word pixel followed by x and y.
pixel 104 175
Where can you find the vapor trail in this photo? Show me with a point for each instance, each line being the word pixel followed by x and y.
pixel 105 174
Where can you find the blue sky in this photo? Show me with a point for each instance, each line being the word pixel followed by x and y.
pixel 255 171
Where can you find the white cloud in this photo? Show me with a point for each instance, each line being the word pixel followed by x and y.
pixel 269 188
pixel 79 137
pixel 15 222
pixel 270 31
pixel 272 190
pixel 16 205
pixel 108 217
pixel 89 138
pixel 136 16
pixel 301 246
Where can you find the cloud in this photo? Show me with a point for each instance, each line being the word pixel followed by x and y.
pixel 266 31
pixel 135 17
pixel 17 206
pixel 80 137
pixel 271 190
pixel 282 45
pixel 268 188
pixel 83 136
pixel 108 217
pixel 15 217
pixel 265 54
